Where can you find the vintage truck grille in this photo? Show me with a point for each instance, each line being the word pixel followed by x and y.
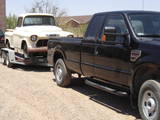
pixel 42 43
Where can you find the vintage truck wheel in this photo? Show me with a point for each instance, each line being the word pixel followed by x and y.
pixel 62 75
pixel 149 100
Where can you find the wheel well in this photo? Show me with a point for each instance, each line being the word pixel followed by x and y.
pixel 57 55
pixel 23 43
pixel 144 73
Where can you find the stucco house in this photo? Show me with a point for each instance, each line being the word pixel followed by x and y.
pixel 75 21
pixel 2 14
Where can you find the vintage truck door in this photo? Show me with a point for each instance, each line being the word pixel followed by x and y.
pixel 111 56
pixel 88 45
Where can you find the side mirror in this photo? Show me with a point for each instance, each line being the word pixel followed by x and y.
pixel 109 30
pixel 110 34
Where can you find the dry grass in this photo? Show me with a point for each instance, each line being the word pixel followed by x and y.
pixel 78 31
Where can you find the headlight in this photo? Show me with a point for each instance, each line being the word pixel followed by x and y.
pixel 34 38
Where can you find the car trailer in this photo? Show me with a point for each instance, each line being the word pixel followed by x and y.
pixel 9 58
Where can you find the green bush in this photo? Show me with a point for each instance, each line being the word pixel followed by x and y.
pixel 11 21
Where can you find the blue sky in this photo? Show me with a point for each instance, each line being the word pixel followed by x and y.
pixel 87 7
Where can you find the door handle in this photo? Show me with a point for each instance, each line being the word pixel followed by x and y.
pixel 96 52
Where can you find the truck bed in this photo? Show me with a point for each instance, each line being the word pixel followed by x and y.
pixel 71 47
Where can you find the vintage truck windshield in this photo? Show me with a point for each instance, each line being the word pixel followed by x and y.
pixel 39 20
pixel 146 25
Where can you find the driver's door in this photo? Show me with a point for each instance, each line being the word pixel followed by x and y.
pixel 112 58
pixel 16 39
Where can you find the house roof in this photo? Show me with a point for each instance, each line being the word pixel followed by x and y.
pixel 79 19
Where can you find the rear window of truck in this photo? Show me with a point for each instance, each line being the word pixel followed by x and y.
pixel 95 26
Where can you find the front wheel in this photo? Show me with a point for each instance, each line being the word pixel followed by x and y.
pixel 149 100
pixel 62 74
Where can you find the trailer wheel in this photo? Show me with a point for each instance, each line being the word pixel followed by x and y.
pixel 149 100
pixel 7 62
pixel 3 58
pixel 62 74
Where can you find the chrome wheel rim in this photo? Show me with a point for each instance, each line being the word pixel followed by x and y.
pixel 149 105
pixel 59 73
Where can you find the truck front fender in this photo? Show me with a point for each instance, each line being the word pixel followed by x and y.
pixel 146 64
pixel 143 69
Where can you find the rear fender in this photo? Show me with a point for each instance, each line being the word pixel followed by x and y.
pixel 58 49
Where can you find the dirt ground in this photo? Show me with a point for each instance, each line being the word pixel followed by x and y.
pixel 29 93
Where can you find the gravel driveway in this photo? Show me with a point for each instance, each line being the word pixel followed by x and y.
pixel 28 93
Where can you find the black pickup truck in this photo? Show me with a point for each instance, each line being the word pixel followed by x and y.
pixel 120 54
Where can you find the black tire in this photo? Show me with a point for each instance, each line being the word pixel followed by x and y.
pixel 7 62
pixel 149 100
pixel 3 58
pixel 62 75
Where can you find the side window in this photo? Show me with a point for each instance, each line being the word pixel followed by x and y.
pixel 95 26
pixel 138 26
pixel 118 22
pixel 19 23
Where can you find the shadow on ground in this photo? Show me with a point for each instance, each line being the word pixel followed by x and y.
pixel 31 68
pixel 116 103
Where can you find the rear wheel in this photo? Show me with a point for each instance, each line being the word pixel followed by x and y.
pixel 3 59
pixel 62 74
pixel 149 100
pixel 6 61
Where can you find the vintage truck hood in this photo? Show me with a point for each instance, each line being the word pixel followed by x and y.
pixel 42 31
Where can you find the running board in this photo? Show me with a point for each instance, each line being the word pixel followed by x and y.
pixel 106 89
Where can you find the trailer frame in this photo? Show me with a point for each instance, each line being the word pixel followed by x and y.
pixel 9 57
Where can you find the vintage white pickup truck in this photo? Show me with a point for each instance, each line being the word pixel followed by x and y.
pixel 31 35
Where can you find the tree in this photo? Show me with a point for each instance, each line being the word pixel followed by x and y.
pixel 11 21
pixel 47 6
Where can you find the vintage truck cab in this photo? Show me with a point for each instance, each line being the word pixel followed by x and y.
pixel 31 35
